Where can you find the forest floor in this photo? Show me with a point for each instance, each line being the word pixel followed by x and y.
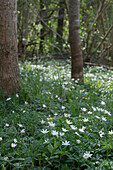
pixel 56 122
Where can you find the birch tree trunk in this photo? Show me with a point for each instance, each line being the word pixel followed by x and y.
pixel 75 43
pixel 9 69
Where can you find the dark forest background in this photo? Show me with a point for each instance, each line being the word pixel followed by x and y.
pixel 43 30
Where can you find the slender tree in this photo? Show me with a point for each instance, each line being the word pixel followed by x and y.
pixel 60 24
pixel 75 43
pixel 42 31
pixel 9 69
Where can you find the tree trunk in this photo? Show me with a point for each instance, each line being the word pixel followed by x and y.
pixel 60 24
pixel 75 43
pixel 9 69
pixel 42 31
pixel 112 50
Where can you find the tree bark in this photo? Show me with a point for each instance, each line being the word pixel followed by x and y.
pixel 75 43
pixel 112 49
pixel 9 69
pixel 60 24
pixel 42 31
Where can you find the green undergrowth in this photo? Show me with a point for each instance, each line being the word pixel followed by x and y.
pixel 56 122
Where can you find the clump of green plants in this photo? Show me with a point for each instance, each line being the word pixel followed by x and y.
pixel 56 122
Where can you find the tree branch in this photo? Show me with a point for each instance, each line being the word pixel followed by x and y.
pixel 104 37
pixel 43 21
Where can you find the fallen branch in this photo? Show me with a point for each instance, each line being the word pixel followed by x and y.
pixel 96 64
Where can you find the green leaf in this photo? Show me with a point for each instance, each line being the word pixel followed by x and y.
pixel 50 148
pixel 106 145
pixel 18 12
pixel 43 155
pixel 110 145
pixel 34 24
pixel 53 157
pixel 55 144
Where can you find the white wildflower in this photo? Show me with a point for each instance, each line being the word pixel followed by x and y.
pixel 5 158
pixel 94 109
pixel 17 95
pixel 77 133
pixel 78 141
pixel 106 112
pixel 44 105
pixel 13 145
pixel 85 120
pixel 89 113
pixel 104 119
pixel 7 125
pixel 68 121
pixel 63 107
pixel 103 103
pixel 55 133
pixel 64 130
pixel 46 141
pixel 101 133
pixel 66 143
pixel 42 121
pixel 15 140
pixel 20 125
pixel 82 129
pixel 87 155
pixel 51 124
pixel 110 132
pixel 84 109
pixel 8 99
pixel 0 138
pixel 44 131
pixel 73 127
pixel 26 102
pixel 97 117
pixel 22 131
pixel 66 115
pixel 76 81
pixel 61 134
